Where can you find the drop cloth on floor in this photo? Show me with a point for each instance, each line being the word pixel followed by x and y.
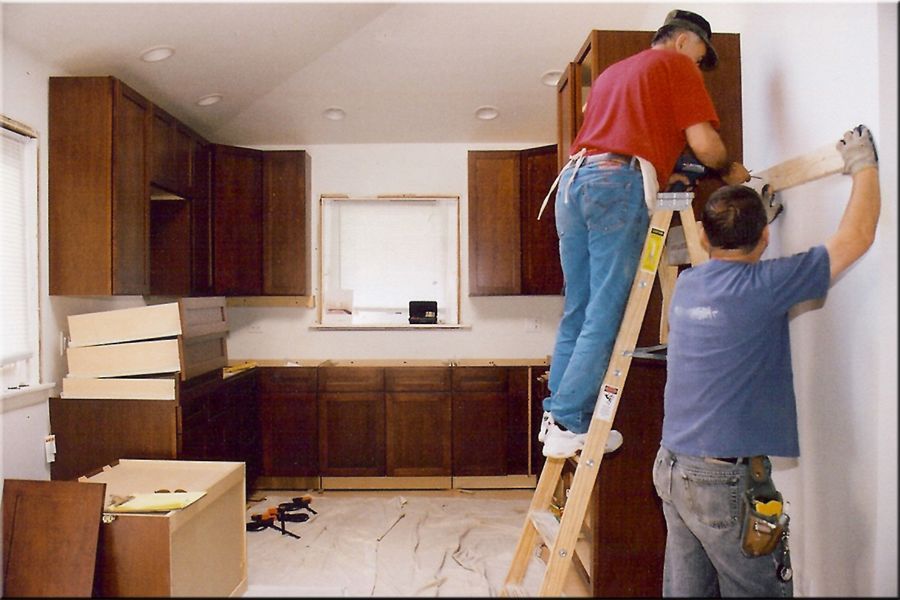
pixel 389 545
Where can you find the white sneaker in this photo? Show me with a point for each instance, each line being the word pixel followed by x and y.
pixel 613 442
pixel 562 444
pixel 546 422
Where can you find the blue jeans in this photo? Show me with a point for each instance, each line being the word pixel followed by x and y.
pixel 601 222
pixel 702 505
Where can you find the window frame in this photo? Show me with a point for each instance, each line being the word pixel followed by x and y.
pixel 446 314
pixel 22 369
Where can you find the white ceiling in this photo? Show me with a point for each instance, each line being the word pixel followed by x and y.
pixel 406 72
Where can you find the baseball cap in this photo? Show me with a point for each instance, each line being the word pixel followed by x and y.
pixel 685 19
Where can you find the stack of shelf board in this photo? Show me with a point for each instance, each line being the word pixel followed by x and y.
pixel 142 352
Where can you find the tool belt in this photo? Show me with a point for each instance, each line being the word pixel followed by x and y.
pixel 764 520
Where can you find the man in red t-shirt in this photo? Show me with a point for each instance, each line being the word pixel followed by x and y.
pixel 640 114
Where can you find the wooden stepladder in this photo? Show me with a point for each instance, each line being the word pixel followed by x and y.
pixel 541 524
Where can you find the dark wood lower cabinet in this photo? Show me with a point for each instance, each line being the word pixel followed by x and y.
pixel 630 531
pixel 351 434
pixel 289 421
pixel 418 421
pixel 480 413
pixel 213 419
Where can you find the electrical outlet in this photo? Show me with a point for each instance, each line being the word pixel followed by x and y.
pixel 532 325
pixel 255 328
pixel 63 342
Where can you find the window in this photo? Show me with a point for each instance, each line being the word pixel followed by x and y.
pixel 18 256
pixel 378 254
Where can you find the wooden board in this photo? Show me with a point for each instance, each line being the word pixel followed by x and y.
pixel 801 169
pixel 112 388
pixel 50 532
pixel 124 325
pixel 131 358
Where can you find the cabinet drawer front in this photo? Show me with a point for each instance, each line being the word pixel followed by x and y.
pixel 416 379
pixel 286 380
pixel 351 379
pixel 480 379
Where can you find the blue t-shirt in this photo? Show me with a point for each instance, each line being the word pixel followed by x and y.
pixel 729 387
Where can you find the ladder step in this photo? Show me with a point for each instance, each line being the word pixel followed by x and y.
pixel 546 525
pixel 515 591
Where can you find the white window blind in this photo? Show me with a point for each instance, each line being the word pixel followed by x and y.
pixel 18 256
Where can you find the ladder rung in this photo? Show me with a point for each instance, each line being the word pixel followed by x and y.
pixel 515 591
pixel 546 525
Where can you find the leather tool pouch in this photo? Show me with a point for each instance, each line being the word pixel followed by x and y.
pixel 761 531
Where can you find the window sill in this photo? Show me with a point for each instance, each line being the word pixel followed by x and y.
pixel 22 397
pixel 391 327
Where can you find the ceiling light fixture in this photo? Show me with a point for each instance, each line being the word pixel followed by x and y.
pixel 209 99
pixel 157 53
pixel 551 78
pixel 334 113
pixel 487 113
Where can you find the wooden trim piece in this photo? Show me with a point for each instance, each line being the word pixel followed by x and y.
pixel 386 483
pixel 301 301
pixel 495 482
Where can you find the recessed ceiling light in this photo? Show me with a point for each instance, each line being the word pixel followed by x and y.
pixel 157 53
pixel 334 113
pixel 551 78
pixel 486 113
pixel 209 99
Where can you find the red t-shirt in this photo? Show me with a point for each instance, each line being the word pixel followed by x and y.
pixel 641 106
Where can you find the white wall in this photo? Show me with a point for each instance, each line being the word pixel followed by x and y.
pixel 496 326
pixel 810 71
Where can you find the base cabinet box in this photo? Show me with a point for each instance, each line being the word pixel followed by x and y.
pixel 199 551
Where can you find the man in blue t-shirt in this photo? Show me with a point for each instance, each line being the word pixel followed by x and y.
pixel 729 392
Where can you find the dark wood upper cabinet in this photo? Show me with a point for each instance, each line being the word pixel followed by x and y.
pixel 163 161
pixel 98 193
pixel 237 220
pixel 508 246
pixel 202 282
pixel 286 188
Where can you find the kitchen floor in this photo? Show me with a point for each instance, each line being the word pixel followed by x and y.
pixel 389 543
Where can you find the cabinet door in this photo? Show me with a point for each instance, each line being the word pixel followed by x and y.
pixel 130 239
pixel 162 164
pixel 286 189
pixel 289 421
pixel 541 270
pixel 518 442
pixel 480 417
pixel 237 220
pixel 351 421
pixel 130 429
pixel 418 401
pixel 351 434
pixel 201 223
pixel 566 108
pixel 495 238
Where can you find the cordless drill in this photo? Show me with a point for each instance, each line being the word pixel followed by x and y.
pixel 687 165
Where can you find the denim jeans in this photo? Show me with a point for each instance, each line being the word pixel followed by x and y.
pixel 702 505
pixel 601 220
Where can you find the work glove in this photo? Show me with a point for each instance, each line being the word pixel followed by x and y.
pixel 857 148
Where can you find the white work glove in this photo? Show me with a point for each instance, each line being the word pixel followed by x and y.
pixel 857 148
